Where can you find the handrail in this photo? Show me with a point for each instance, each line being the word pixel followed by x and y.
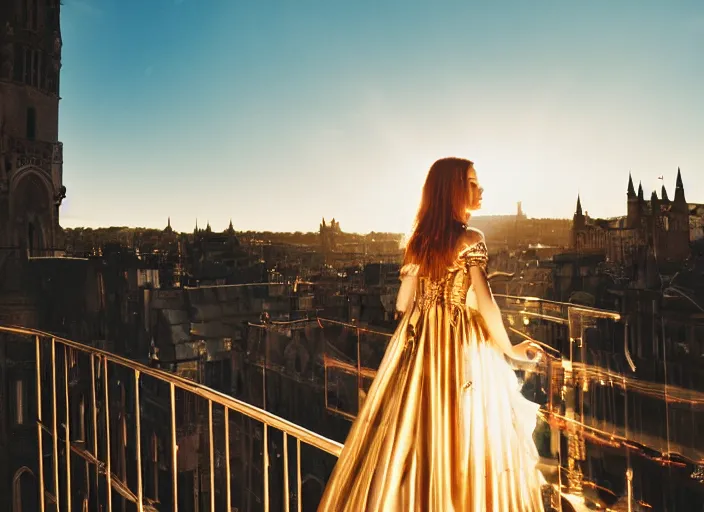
pixel 61 490
pixel 305 435
pixel 236 285
pixel 601 313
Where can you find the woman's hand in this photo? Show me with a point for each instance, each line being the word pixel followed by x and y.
pixel 527 352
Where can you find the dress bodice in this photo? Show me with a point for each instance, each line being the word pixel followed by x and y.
pixel 452 288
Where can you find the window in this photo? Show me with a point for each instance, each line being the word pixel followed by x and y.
pixel 31 123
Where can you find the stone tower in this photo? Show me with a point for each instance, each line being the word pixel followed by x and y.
pixel 579 223
pixel 633 212
pixel 678 242
pixel 31 188
pixel 31 191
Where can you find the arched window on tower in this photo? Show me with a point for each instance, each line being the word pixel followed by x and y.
pixel 31 123
pixel 33 206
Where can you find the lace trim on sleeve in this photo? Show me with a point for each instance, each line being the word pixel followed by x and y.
pixel 476 254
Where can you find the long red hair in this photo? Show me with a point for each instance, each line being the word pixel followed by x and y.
pixel 442 215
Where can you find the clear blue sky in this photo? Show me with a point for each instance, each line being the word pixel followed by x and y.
pixel 277 113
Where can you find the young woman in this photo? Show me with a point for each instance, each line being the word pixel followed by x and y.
pixel 444 426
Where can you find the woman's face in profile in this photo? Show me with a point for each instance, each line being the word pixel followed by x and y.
pixel 475 190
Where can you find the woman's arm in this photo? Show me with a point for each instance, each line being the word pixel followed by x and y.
pixel 407 293
pixel 492 317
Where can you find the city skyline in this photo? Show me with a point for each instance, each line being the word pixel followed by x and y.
pixel 275 116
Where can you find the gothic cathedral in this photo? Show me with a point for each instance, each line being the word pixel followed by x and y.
pixel 661 225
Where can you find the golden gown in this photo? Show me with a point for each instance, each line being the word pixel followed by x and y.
pixel 444 426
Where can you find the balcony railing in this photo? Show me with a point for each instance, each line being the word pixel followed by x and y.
pixel 619 427
pixel 82 419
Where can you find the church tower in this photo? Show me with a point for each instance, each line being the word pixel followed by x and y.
pixel 31 188
pixel 579 223
pixel 663 193
pixel 31 191
pixel 678 236
pixel 655 224
pixel 680 203
pixel 633 210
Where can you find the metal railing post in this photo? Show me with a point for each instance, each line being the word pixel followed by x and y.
pixel 40 443
pixel 174 448
pixel 266 468
pixel 298 476
pixel 138 438
pixel 286 491
pixel 212 456
pixel 69 493
pixel 54 430
pixel 94 400
pixel 108 466
pixel 228 493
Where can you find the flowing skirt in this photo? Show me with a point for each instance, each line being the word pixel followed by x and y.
pixel 443 428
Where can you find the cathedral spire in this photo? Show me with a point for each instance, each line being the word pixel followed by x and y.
pixel 663 193
pixel 631 190
pixel 640 191
pixel 679 189
pixel 579 221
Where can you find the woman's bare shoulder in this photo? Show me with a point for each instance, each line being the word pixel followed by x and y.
pixel 473 236
pixel 473 250
pixel 472 244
